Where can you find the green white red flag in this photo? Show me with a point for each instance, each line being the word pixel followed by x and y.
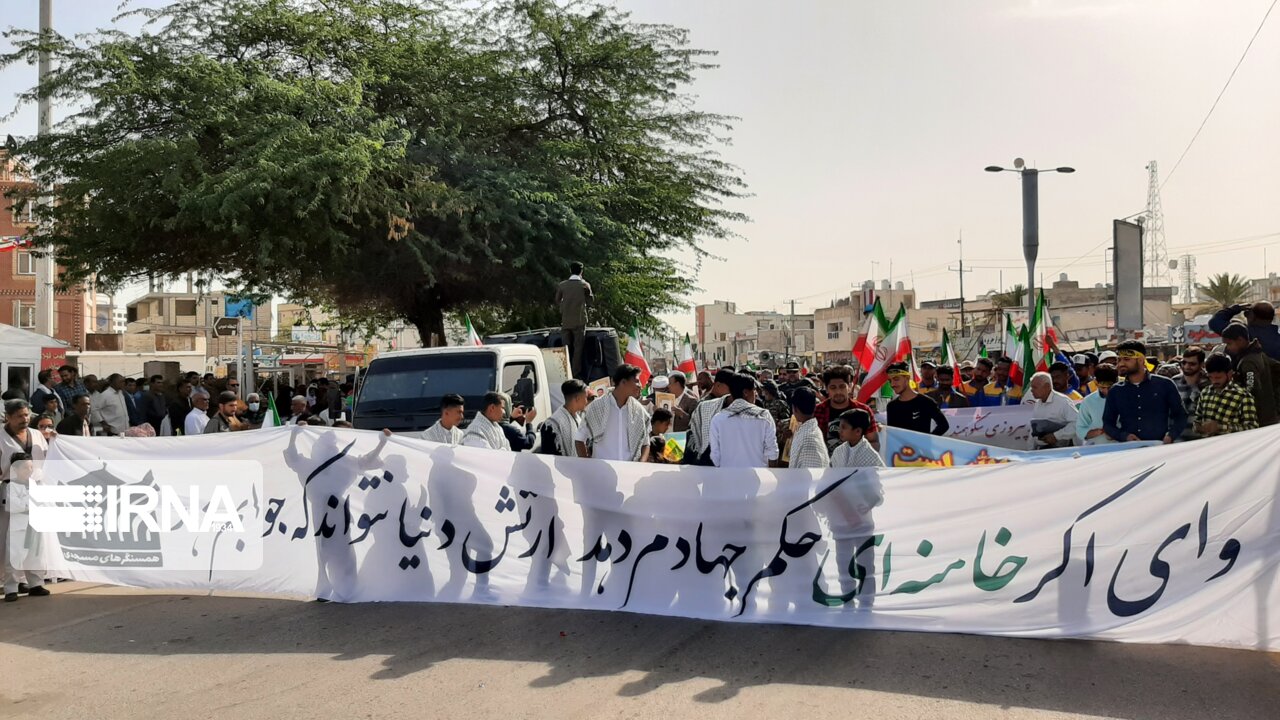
pixel 1014 350
pixel 894 346
pixel 687 365
pixel 949 356
pixel 635 356
pixel 473 338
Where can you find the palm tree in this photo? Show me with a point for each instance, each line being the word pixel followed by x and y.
pixel 1226 290
pixel 1012 298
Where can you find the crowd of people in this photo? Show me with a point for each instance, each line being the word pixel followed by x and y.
pixel 731 417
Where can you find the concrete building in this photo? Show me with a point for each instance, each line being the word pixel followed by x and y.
pixel 300 324
pixel 194 314
pixel 74 308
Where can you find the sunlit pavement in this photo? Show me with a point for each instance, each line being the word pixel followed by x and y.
pixel 93 651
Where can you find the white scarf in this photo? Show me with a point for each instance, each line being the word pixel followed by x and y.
pixel 488 431
pixel 596 418
pixel 565 424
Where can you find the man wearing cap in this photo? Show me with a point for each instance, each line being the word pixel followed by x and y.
pixel 791 380
pixel 1084 370
pixel 1144 406
pixel 945 394
pixel 743 435
pixel 910 409
pixel 698 444
pixel 1109 357
pixel 808 442
pixel 1260 319
pixel 928 377
pixel 966 371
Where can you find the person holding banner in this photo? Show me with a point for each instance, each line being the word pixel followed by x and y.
pixel 1224 406
pixel 698 447
pixel 854 450
pixel 1144 406
pixel 485 431
pixel 808 442
pixel 616 427
pixel 910 409
pixel 945 394
pixel 21 446
pixel 1054 416
pixel 743 435
pixel 1089 429
pixel 452 411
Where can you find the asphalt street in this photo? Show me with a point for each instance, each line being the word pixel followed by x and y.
pixel 100 652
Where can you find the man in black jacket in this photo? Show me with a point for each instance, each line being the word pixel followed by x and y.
pixel 154 404
pixel 77 423
pixel 1260 320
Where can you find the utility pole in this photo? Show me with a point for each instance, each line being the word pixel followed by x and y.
pixel 45 264
pixel 791 331
pixel 964 331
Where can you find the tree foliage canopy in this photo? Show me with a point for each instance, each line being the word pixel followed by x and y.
pixel 392 158
pixel 1225 289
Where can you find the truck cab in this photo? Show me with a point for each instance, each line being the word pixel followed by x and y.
pixel 401 390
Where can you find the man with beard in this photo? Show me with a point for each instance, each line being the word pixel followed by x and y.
pixel 839 383
pixel 1144 406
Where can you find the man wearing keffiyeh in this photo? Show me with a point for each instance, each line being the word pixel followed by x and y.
pixel 446 429
pixel 484 431
pixel 564 423
pixel 616 426
pixel 743 435
pixel 698 445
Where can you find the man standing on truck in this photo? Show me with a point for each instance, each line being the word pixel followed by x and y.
pixel 572 297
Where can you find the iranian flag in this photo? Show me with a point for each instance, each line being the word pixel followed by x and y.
pixel 949 354
pixel 272 418
pixel 635 356
pixel 864 348
pixel 687 365
pixel 1041 337
pixel 472 337
pixel 894 346
pixel 1028 353
pixel 1013 349
pixel 1097 349
pixel 982 350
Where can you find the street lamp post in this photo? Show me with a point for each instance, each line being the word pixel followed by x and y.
pixel 1030 221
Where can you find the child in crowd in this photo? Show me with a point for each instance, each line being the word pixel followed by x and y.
pixel 854 450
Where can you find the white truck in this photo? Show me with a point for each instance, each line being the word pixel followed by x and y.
pixel 401 390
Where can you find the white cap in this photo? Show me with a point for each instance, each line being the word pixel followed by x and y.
pixel 1108 355
pixel 660 382
pixel 1080 359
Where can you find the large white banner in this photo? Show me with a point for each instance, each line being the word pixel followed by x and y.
pixel 1172 544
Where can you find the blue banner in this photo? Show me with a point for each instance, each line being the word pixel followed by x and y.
pixel 907 448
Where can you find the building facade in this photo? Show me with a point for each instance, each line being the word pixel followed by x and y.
pixel 73 308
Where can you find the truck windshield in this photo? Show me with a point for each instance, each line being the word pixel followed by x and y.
pixel 415 384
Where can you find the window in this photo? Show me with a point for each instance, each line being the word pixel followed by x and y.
pixel 24 213
pixel 723 337
pixel 184 308
pixel 26 263
pixel 520 382
pixel 834 329
pixel 24 315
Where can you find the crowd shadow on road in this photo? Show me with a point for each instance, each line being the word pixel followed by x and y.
pixel 1109 679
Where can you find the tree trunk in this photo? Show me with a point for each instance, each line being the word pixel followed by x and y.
pixel 428 317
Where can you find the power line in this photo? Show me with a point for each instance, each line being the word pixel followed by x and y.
pixel 1222 92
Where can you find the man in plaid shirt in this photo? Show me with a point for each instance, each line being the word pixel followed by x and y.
pixel 808 442
pixel 1224 407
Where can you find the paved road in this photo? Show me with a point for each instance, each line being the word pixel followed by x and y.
pixel 105 653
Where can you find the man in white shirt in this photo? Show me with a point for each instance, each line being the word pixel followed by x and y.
pixel 743 435
pixel 110 413
pixel 1051 408
pixel 195 421
pixel 446 429
pixel 485 431
pixel 298 414
pixel 616 426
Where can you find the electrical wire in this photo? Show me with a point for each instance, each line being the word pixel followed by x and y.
pixel 1222 92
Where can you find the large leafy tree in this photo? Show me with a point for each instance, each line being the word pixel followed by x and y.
pixel 390 158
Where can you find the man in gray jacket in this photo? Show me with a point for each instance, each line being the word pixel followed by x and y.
pixel 572 297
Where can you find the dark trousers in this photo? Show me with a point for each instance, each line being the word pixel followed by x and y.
pixel 574 339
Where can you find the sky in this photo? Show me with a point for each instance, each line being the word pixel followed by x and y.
pixel 864 127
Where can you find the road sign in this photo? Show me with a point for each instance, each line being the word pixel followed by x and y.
pixel 226 327
pixel 1177 335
